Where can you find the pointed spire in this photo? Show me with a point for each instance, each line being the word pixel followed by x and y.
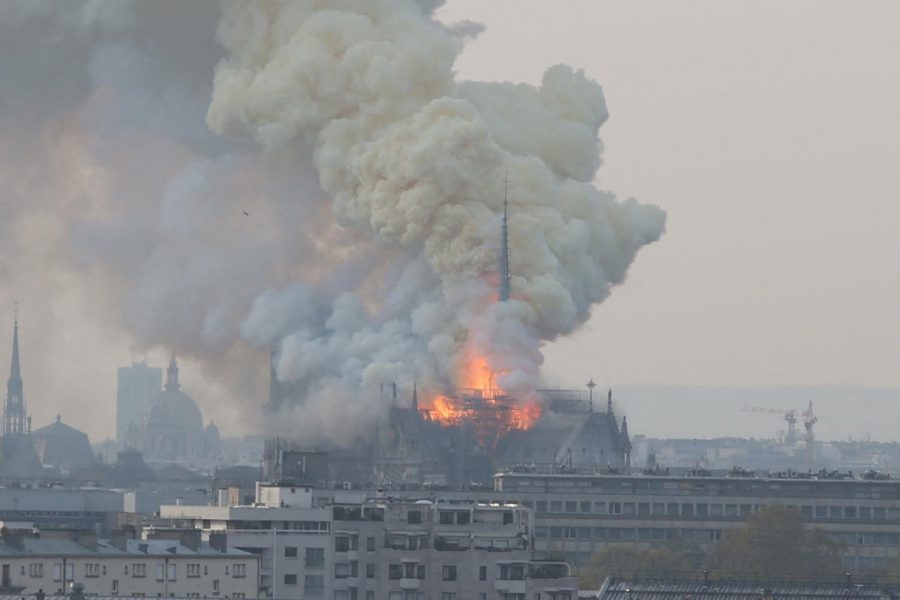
pixel 15 374
pixel 14 417
pixel 504 247
pixel 415 398
pixel 172 384
pixel 590 386
pixel 609 402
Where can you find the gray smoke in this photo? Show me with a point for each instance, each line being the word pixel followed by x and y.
pixel 374 183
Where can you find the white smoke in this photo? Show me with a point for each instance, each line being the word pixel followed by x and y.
pixel 414 163
pixel 371 179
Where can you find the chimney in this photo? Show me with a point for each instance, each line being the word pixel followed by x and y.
pixel 190 538
pixel 118 538
pixel 13 539
pixel 218 540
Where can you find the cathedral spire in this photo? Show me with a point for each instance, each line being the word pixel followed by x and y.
pixel 172 384
pixel 14 417
pixel 504 247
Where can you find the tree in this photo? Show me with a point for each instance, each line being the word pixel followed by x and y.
pixel 774 543
pixel 623 560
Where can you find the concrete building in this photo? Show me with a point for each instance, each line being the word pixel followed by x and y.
pixel 396 549
pixel 578 514
pixel 282 522
pixel 384 549
pixel 178 564
pixel 136 387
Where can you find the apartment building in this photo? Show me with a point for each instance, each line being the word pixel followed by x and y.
pixel 384 548
pixel 291 537
pixel 167 565
pixel 421 550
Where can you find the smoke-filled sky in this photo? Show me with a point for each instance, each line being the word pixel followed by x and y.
pixel 767 132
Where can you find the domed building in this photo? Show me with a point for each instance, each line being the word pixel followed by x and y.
pixel 173 429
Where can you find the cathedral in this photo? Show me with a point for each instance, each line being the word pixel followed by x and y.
pixel 50 451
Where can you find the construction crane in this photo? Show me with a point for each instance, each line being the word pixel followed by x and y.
pixel 790 417
pixel 809 419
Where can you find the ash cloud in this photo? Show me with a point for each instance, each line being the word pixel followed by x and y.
pixel 372 178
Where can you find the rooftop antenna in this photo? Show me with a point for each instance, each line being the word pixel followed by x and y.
pixel 504 246
pixel 590 386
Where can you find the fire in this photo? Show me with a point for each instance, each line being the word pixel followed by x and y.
pixel 480 404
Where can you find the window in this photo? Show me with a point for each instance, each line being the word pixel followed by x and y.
pixel 342 543
pixel 370 595
pixel 216 586
pixel 36 570
pixel 448 573
pixel 290 551
pixel 446 517
pixel 92 570
pixel 462 518
pixel 448 595
pixel 171 573
pixel 370 570
pixel 315 557
pixel 290 579
pixel 414 516
pixel 314 585
pixel 341 570
pixel 512 572
pixel 585 507
pixel 395 571
pixel 138 570
pixel 370 544
pixel 615 508
pixel 556 506
pixel 571 507
pixel 240 570
pixel 115 586
pixel 193 570
pixel 482 573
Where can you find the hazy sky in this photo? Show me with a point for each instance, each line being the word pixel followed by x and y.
pixel 768 131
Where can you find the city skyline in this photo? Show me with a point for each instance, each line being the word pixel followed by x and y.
pixel 772 157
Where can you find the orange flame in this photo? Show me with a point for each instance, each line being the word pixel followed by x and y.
pixel 490 411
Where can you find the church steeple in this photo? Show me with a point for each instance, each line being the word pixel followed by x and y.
pixel 15 421
pixel 172 384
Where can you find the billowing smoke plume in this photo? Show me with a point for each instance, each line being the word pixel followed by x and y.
pixel 415 163
pixel 344 209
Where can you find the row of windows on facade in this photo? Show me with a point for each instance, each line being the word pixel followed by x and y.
pixel 832 489
pixel 692 509
pixel 353 594
pixel 653 534
pixel 36 570
pixel 307 526
pixel 315 557
pixel 452 517
pixel 506 572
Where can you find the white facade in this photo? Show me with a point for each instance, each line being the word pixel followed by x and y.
pixel 127 568
pixel 137 386
pixel 384 549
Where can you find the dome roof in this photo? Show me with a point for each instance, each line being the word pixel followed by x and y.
pixel 173 411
